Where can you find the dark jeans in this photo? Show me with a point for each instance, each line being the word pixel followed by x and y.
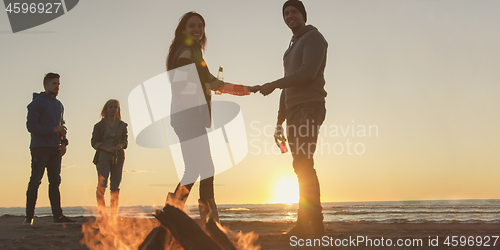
pixel 41 158
pixel 104 168
pixel 197 157
pixel 303 122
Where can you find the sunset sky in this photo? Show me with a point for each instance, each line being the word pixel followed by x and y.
pixel 422 74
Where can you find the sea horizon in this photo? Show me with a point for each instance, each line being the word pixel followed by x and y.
pixel 411 211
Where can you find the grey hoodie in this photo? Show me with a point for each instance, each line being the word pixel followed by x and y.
pixel 304 63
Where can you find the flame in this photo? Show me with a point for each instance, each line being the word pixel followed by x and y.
pixel 246 241
pixel 122 233
pixel 242 241
pixel 116 233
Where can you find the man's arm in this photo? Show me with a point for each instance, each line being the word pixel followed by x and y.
pixel 282 110
pixel 64 140
pixel 33 125
pixel 312 57
pixel 33 118
pixel 63 148
pixel 279 134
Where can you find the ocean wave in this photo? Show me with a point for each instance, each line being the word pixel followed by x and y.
pixel 410 212
pixel 419 221
pixel 235 209
pixel 491 207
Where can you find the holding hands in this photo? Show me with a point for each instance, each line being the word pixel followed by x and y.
pixel 267 88
pixel 236 89
pixel 254 89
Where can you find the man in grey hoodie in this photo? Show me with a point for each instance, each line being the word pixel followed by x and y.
pixel 302 105
pixel 48 144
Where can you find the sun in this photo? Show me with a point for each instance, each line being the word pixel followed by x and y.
pixel 286 191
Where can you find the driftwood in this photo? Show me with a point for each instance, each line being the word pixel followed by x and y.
pixel 186 232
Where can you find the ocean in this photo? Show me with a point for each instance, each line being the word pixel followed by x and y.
pixel 445 211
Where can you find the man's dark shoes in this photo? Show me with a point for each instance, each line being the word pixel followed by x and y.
pixel 28 221
pixel 64 220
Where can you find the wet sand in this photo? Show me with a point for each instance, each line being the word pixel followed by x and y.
pixel 46 235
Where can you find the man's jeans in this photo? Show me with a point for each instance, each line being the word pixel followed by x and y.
pixel 41 158
pixel 303 122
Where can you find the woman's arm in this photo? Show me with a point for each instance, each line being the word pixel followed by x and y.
pixel 95 141
pixel 184 59
pixel 124 139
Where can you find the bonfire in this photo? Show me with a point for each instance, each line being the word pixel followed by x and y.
pixel 172 230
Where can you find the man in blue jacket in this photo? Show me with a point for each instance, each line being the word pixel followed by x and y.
pixel 302 105
pixel 48 145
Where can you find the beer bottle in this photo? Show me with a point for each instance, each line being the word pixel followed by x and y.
pixel 220 76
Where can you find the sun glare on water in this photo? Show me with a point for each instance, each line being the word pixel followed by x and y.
pixel 286 191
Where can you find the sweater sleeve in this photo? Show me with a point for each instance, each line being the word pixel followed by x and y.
pixel 282 109
pixel 124 138
pixel 185 58
pixel 64 139
pixel 211 77
pixel 95 137
pixel 314 50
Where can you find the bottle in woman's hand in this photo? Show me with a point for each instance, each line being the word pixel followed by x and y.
pixel 220 76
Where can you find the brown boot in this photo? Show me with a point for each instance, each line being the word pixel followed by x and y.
pixel 114 203
pixel 101 204
pixel 208 210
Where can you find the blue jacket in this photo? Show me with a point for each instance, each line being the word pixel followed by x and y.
pixel 44 114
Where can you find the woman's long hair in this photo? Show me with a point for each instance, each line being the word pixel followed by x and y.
pixel 104 110
pixel 181 39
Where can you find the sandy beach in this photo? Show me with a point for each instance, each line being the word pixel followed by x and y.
pixel 45 235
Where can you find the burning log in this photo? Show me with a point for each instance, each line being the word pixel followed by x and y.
pixel 186 232
pixel 219 236
pixel 156 240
